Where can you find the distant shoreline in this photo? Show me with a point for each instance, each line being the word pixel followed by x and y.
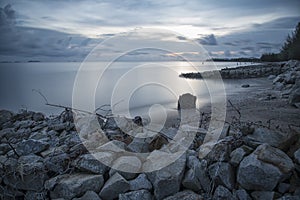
pixel 241 72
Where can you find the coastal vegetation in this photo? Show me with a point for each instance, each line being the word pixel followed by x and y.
pixel 289 51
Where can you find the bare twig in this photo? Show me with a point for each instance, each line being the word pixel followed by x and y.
pixel 41 94
pixel 12 148
pixel 235 108
pixel 67 107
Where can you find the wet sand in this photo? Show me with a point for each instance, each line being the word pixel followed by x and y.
pixel 254 107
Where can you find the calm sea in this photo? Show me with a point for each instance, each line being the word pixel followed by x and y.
pixel 127 85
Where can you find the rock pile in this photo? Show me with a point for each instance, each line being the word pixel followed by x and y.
pixel 242 72
pixel 288 82
pixel 44 158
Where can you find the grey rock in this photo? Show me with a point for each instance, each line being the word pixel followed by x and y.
pixel 297 156
pixel 185 195
pixel 114 186
pixel 271 77
pixel 170 132
pixel 32 195
pixel 258 195
pixel 70 186
pixel 191 181
pixel 167 180
pixel 31 146
pixel 23 124
pixel 274 138
pixel 91 163
pixel 140 182
pixel 279 79
pixel 39 126
pixel 245 86
pixel 283 187
pixel 289 197
pixel 5 116
pixel 40 136
pixel 138 145
pixel 254 174
pixel 222 173
pixel 220 152
pixel 274 156
pixel 201 172
pixel 236 156
pixel 129 165
pixel 60 126
pixel 222 193
pixel 57 163
pixel 31 173
pixel 4 148
pixel 278 86
pixel 241 195
pixel 135 195
pixel 112 146
pixel 38 116
pixel 7 132
pixel 89 195
pixel 294 96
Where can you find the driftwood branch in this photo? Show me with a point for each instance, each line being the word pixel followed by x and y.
pixel 67 107
pixel 12 148
pixel 235 108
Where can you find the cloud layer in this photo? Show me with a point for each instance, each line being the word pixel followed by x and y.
pixel 67 30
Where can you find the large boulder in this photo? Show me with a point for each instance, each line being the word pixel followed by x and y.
pixel 92 163
pixel 30 146
pixel 276 157
pixel 57 163
pixel 127 166
pixel 274 138
pixel 114 186
pixel 201 172
pixel 191 181
pixel 167 180
pixel 75 185
pixel 27 174
pixel 264 168
pixel 237 155
pixel 222 193
pixel 222 173
pixel 140 182
pixel 241 195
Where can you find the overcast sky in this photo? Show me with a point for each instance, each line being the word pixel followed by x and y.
pixel 67 30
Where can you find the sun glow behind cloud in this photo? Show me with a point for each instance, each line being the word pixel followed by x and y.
pixel 221 26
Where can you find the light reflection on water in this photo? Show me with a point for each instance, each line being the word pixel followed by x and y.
pixel 55 81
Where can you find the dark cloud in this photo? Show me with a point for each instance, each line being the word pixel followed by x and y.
pixel 181 38
pixel 33 43
pixel 279 23
pixel 207 40
pixel 248 48
pixel 7 16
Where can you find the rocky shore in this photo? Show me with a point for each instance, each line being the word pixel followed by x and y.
pixel 43 157
pixel 242 72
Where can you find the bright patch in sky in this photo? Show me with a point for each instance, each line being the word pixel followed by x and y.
pixel 67 30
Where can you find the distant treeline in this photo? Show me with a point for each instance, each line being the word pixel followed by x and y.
pixel 290 49
pixel 235 59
